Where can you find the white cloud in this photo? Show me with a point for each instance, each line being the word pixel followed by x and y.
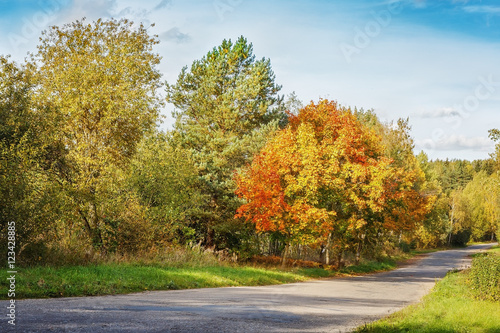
pixel 484 9
pixel 175 35
pixel 440 113
pixel 457 143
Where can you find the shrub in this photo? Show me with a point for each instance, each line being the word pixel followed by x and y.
pixel 407 247
pixel 461 238
pixel 484 277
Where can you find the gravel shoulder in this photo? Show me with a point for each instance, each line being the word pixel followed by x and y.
pixel 330 305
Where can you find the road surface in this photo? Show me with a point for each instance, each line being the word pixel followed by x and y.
pixel 333 305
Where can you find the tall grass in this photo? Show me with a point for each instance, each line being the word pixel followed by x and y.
pixel 164 255
pixel 172 268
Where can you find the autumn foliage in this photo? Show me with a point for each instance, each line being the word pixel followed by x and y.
pixel 325 178
pixel 84 170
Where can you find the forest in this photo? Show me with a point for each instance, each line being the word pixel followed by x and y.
pixel 85 171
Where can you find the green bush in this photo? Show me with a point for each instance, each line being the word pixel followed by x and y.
pixel 461 238
pixel 484 277
pixel 407 247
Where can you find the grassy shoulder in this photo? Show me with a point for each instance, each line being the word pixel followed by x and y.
pixel 450 307
pixel 120 278
pixel 495 250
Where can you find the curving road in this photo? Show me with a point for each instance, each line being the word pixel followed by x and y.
pixel 333 305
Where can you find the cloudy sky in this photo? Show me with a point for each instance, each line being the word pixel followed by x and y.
pixel 436 62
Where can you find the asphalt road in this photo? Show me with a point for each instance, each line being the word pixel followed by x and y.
pixel 333 305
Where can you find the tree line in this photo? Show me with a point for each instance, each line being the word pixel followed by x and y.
pixel 84 168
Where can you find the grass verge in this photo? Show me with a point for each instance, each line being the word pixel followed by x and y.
pixel 450 307
pixel 495 250
pixel 120 278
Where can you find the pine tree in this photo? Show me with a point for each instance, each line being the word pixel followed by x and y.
pixel 226 105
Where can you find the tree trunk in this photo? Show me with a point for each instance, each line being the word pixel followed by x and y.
pixel 339 259
pixel 210 239
pixel 322 253
pixel 451 220
pixel 327 252
pixel 91 224
pixel 285 255
pixel 358 252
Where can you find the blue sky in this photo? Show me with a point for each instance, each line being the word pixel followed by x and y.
pixel 436 62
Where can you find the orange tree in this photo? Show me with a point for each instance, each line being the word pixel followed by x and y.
pixel 325 179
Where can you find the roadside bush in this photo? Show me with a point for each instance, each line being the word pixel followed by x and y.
pixel 407 247
pixel 484 277
pixel 461 238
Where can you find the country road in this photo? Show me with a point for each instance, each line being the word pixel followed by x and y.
pixel 333 305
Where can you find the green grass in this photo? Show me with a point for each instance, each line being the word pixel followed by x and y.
pixel 119 278
pixel 495 249
pixel 450 307
pixel 40 282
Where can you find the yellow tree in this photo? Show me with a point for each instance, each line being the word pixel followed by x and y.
pixel 325 178
pixel 17 134
pixel 482 198
pixel 97 87
pixel 416 205
pixel 21 150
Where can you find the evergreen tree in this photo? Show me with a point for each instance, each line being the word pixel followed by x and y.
pixel 226 105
